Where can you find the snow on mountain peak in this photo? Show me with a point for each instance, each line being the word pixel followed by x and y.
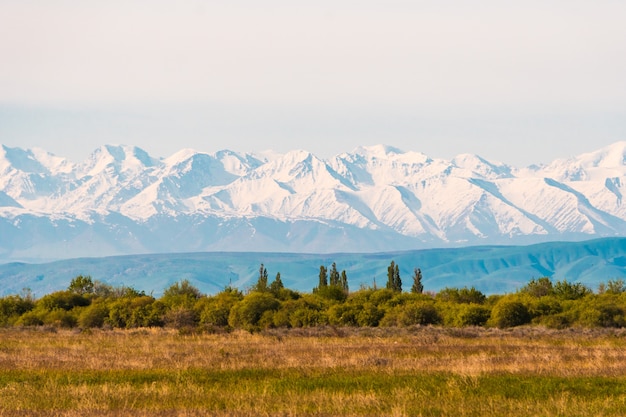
pixel 611 156
pixel 120 158
pixel 293 164
pixel 236 163
pixel 377 151
pixel 268 155
pixel 473 165
pixel 180 156
pixel 405 196
pixel 54 164
pixel 607 162
pixel 20 159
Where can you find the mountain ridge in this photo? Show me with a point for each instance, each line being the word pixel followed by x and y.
pixel 490 269
pixel 121 200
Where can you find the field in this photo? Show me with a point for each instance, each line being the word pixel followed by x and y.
pixel 418 371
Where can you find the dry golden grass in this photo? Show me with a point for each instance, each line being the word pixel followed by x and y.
pixel 327 371
pixel 421 349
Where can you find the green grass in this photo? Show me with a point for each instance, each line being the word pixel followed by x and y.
pixel 337 392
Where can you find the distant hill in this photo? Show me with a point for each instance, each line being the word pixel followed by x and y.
pixel 491 269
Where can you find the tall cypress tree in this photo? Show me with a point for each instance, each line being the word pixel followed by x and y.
pixel 417 287
pixel 397 282
pixel 344 280
pixel 393 277
pixel 323 277
pixel 390 281
pixel 334 275
pixel 261 284
pixel 277 284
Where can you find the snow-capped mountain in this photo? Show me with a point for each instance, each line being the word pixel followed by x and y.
pixel 378 198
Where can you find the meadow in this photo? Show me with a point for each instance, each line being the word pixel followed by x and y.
pixel 321 371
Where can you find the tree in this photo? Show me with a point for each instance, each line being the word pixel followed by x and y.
pixel 393 277
pixel 539 287
pixel 613 287
pixel 570 291
pixel 397 280
pixel 390 276
pixel 13 306
pixel 344 280
pixel 183 287
pixel 277 284
pixel 417 287
pixel 261 284
pixel 323 277
pixel 81 285
pixel 334 274
pixel 181 294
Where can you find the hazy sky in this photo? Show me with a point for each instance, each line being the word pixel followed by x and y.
pixel 518 82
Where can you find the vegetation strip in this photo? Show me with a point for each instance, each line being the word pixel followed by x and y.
pixel 92 304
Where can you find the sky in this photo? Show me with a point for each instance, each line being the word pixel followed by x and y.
pixel 515 82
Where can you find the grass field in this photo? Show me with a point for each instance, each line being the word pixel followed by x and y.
pixel 419 371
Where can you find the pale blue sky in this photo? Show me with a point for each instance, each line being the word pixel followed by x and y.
pixel 520 83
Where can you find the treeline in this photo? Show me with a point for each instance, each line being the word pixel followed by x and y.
pixel 93 304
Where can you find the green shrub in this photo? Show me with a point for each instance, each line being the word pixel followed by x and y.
pixel 62 300
pixel 464 295
pixel 556 321
pixel 30 318
pixel 281 318
pixel 570 291
pixel 544 306
pixel 307 317
pixel 60 318
pixel 332 292
pixel 509 313
pixel 343 315
pixel 267 319
pixel 214 311
pixel 473 315
pixel 598 311
pixel 181 294
pixel 180 317
pixel 616 286
pixel 142 311
pixel 538 287
pixel 285 294
pixel 383 296
pixel 369 315
pixel 12 307
pixel 246 313
pixel 419 312
pixel 93 316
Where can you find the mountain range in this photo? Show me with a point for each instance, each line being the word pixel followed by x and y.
pixel 123 201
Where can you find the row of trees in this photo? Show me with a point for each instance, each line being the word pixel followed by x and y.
pixel 87 303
